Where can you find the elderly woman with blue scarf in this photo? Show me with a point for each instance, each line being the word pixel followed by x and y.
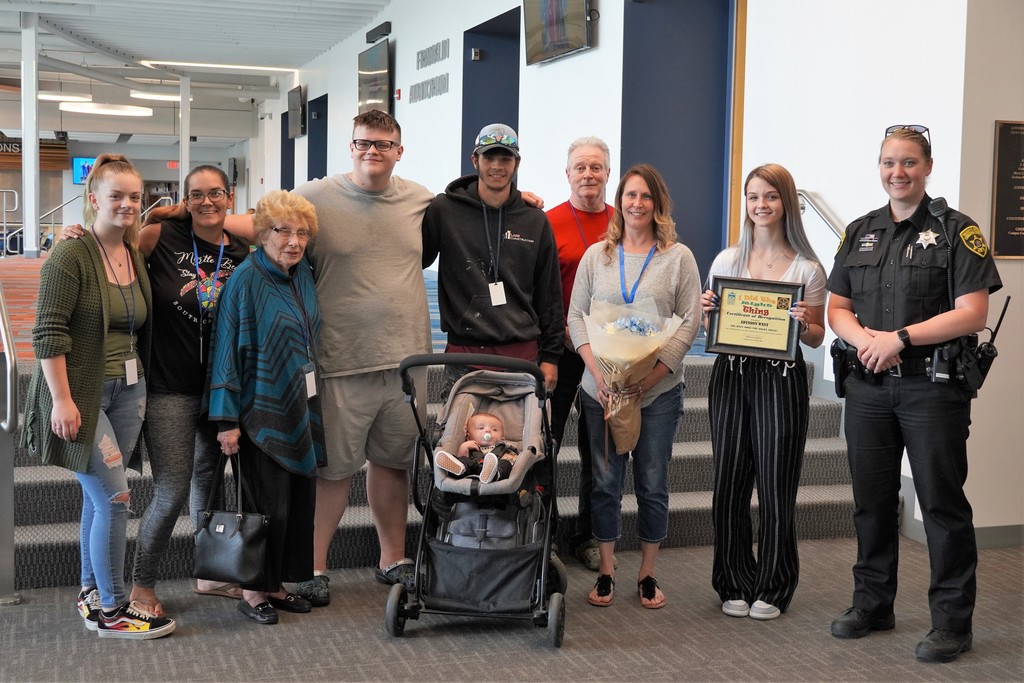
pixel 263 395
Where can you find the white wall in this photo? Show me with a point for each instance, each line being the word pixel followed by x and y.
pixel 995 92
pixel 559 101
pixel 824 80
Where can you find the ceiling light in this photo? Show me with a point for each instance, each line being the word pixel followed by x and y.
pixel 162 96
pixel 205 65
pixel 105 109
pixel 61 96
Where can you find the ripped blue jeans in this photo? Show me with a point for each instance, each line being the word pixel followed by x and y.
pixel 104 519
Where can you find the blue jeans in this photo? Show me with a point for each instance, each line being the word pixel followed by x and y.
pixel 104 519
pixel 651 457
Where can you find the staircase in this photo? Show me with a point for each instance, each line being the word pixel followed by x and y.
pixel 48 499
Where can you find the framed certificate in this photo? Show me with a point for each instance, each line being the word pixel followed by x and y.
pixel 753 318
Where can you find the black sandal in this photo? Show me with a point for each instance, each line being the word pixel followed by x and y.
pixel 647 589
pixel 604 588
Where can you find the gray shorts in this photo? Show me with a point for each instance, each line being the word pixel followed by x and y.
pixel 366 418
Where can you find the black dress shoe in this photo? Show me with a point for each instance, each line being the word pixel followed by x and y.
pixel 263 613
pixel 856 623
pixel 291 603
pixel 943 646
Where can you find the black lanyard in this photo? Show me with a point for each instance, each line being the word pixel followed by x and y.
pixel 131 290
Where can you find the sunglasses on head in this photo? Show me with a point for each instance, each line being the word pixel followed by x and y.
pixel 917 128
pixel 497 138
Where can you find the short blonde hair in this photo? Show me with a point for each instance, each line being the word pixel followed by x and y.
pixel 281 206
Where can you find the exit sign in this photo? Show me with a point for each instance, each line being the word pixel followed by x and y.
pixel 173 165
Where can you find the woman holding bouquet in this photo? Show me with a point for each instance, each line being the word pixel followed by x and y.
pixel 759 409
pixel 640 258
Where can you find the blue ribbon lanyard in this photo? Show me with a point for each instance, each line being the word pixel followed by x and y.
pixel 211 297
pixel 628 298
pixel 131 290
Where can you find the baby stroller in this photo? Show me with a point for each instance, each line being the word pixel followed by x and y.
pixel 484 549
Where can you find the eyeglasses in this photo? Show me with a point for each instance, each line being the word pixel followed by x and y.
pixel 288 233
pixel 504 139
pixel 381 145
pixel 917 128
pixel 197 197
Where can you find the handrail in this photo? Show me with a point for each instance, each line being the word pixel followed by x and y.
pixel 58 208
pixel 3 219
pixel 5 193
pixel 8 596
pixel 808 199
pixel 10 422
pixel 158 202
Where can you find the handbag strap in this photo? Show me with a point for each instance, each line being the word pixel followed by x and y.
pixel 218 482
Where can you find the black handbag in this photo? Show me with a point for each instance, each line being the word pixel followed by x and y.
pixel 231 546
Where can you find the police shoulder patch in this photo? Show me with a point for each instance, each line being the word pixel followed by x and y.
pixel 973 239
pixel 842 239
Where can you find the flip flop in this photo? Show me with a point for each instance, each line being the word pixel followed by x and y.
pixel 604 588
pixel 224 590
pixel 403 571
pixel 647 589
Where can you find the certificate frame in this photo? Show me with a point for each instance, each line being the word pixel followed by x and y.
pixel 752 318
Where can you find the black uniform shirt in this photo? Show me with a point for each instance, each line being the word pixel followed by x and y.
pixel 896 277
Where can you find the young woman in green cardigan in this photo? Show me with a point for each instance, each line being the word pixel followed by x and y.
pixel 88 395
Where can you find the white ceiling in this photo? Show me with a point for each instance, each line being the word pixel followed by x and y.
pixel 105 41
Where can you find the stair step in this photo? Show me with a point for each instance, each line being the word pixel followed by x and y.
pixel 47 555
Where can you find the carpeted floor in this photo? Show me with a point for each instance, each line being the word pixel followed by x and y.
pixel 43 639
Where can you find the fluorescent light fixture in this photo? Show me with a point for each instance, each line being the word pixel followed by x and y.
pixel 61 96
pixel 206 65
pixel 162 96
pixel 105 109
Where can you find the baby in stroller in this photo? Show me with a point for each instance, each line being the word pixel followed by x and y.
pixel 484 453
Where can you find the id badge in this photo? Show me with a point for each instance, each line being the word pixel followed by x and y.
pixel 131 371
pixel 497 291
pixel 310 373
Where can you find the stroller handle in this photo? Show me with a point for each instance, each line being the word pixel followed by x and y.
pixel 512 364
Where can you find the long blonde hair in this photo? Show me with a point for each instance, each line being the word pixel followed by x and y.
pixel 664 226
pixel 108 165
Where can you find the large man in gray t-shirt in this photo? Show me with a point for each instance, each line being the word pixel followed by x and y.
pixel 366 263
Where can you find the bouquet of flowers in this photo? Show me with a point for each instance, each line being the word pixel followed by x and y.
pixel 625 340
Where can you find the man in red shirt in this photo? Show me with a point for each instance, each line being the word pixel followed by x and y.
pixel 578 223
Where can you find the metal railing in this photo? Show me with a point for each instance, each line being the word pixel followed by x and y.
pixel 162 200
pixel 8 426
pixel 5 197
pixel 48 240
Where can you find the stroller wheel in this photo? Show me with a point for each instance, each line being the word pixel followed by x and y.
pixel 556 620
pixel 558 578
pixel 394 620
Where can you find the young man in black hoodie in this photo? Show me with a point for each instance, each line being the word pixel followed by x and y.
pixel 499 286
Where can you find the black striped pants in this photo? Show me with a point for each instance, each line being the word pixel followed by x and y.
pixel 759 411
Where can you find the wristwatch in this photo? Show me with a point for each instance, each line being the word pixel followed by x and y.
pixel 904 337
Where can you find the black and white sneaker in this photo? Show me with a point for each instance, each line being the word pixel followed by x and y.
pixel 89 607
pixel 134 622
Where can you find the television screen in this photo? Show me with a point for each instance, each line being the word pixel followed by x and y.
pixel 80 167
pixel 555 28
pixel 375 78
pixel 296 112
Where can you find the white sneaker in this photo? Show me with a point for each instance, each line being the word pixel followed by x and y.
pixel 763 611
pixel 489 470
pixel 449 463
pixel 736 608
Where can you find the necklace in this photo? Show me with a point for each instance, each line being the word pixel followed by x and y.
pixel 769 264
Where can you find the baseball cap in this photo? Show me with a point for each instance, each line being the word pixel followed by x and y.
pixel 497 136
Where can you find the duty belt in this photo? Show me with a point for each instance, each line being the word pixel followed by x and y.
pixel 907 367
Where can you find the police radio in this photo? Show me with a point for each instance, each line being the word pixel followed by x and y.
pixel 968 360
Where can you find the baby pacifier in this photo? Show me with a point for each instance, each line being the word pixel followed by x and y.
pixel 487 437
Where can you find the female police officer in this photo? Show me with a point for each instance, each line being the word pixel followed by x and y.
pixel 890 300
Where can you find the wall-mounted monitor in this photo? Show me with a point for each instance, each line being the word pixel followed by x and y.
pixel 296 112
pixel 80 167
pixel 375 78
pixel 555 28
